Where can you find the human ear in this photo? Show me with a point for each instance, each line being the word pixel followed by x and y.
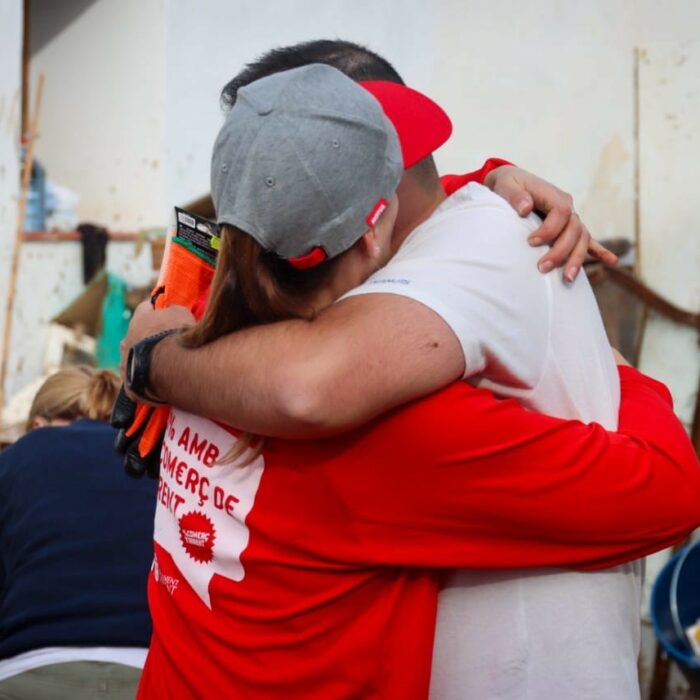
pixel 370 244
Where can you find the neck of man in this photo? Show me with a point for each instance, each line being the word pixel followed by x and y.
pixel 351 272
pixel 419 197
pixel 417 202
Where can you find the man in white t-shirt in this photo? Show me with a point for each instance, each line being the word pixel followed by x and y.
pixel 461 297
pixel 521 634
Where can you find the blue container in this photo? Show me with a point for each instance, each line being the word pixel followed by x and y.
pixel 675 605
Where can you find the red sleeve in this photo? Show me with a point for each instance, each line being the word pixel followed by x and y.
pixel 451 183
pixel 463 480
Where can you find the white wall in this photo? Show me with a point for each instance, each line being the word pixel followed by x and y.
pixel 206 50
pixel 670 218
pixel 10 118
pixel 547 84
pixel 493 77
pixel 102 124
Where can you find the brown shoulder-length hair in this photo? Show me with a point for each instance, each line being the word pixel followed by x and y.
pixel 252 286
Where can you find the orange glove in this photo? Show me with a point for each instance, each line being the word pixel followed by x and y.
pixel 185 278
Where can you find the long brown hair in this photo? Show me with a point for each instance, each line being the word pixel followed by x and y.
pixel 252 286
pixel 73 393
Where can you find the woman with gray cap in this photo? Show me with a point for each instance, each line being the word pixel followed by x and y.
pixel 310 570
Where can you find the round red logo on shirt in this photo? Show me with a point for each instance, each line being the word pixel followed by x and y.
pixel 197 535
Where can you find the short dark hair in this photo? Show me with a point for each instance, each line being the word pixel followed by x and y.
pixel 357 62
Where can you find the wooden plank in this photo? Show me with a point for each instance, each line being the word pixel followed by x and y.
pixel 59 236
pixel 14 268
pixel 26 55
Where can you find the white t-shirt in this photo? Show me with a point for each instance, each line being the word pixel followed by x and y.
pixel 526 634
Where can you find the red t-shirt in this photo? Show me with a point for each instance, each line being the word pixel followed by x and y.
pixel 451 183
pixel 313 571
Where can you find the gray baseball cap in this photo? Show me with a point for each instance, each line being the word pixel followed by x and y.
pixel 305 163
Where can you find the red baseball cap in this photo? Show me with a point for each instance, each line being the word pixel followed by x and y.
pixel 421 124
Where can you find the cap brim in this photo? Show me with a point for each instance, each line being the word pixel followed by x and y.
pixel 421 124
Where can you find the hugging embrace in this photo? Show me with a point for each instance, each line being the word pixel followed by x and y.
pixel 428 476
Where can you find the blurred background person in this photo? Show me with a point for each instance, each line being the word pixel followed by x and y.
pixel 75 550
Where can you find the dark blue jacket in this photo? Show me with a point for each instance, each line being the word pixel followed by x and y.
pixel 76 542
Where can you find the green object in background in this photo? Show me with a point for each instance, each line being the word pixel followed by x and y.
pixel 115 322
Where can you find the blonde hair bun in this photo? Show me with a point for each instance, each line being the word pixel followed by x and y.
pixel 73 393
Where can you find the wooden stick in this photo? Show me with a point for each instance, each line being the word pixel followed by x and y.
pixel 26 56
pixel 14 269
pixel 651 298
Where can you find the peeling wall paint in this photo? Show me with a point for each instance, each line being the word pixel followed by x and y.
pixel 669 158
pixel 606 205
pixel 669 79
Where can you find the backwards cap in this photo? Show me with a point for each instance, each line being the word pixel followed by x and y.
pixel 421 124
pixel 305 161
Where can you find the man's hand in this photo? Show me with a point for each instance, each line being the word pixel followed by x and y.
pixel 569 238
pixel 146 321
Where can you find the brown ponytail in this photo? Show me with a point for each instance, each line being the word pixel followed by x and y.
pixel 252 286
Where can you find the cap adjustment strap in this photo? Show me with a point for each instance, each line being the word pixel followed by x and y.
pixel 315 257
